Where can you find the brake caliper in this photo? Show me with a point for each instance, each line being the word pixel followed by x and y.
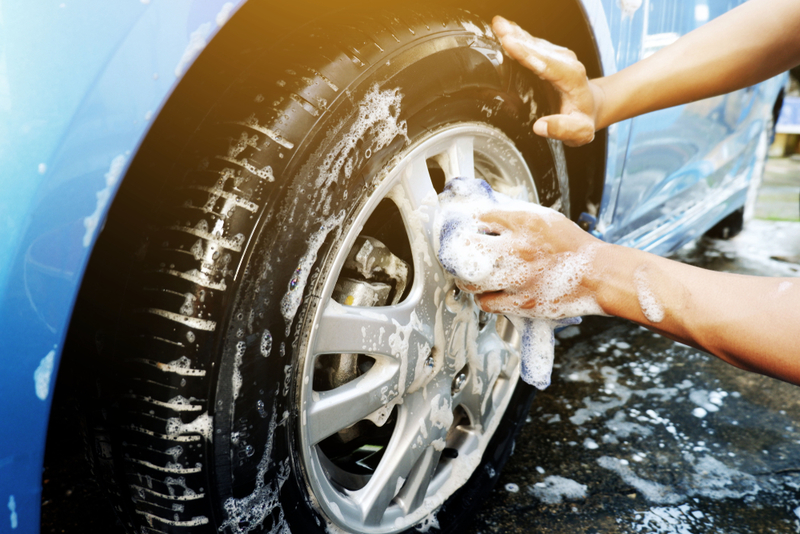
pixel 372 276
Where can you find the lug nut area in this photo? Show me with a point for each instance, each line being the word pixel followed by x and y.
pixel 455 300
pixel 459 381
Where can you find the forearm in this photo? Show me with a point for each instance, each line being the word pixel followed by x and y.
pixel 750 322
pixel 749 44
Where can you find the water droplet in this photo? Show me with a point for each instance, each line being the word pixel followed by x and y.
pixel 261 410
pixel 295 281
pixel 249 451
pixel 266 343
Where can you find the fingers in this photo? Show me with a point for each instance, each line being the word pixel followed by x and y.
pixel 502 302
pixel 575 126
pixel 491 302
pixel 497 220
pixel 465 286
pixel 531 220
pixel 574 129
pixel 550 62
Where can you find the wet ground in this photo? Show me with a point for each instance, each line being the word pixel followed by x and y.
pixel 779 193
pixel 636 433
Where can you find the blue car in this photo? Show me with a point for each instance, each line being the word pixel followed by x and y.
pixel 216 234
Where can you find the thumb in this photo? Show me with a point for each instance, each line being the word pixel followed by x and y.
pixel 574 129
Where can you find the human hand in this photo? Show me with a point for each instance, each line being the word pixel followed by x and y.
pixel 581 99
pixel 520 259
pixel 542 267
pixel 514 266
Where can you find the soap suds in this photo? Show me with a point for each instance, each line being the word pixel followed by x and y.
pixel 707 401
pixel 248 513
pixel 554 489
pixel 483 257
pixel 197 42
pixel 629 7
pixel 224 14
pixel 672 520
pixel 202 425
pixel 12 507
pixel 378 117
pixel 103 197
pixel 650 305
pixel 294 295
pixel 653 491
pixel 41 377
pixel 236 380
pixel 376 125
pixel 538 348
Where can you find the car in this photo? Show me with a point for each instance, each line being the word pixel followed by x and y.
pixel 217 235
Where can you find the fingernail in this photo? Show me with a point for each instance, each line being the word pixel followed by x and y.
pixel 540 128
pixel 501 26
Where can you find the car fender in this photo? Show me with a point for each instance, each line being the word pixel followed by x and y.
pixel 79 87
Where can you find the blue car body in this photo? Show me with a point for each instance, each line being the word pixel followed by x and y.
pixel 81 83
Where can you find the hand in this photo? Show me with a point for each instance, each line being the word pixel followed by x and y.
pixel 541 269
pixel 581 99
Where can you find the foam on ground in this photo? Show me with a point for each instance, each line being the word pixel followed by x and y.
pixel 554 489
pixel 484 258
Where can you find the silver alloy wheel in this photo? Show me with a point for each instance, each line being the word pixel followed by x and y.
pixel 441 373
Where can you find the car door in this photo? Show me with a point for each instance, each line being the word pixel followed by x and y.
pixel 681 156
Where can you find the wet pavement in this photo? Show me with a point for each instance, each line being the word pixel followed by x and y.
pixel 637 433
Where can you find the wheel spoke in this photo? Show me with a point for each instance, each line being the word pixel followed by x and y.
pixel 416 432
pixel 506 335
pixel 344 406
pixel 360 330
pixel 415 489
pixel 476 395
pixel 511 362
pixel 416 185
pixel 458 160
pixel 471 398
pixel 416 199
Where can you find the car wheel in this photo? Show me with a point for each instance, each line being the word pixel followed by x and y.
pixel 291 356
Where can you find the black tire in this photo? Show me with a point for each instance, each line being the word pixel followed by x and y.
pixel 733 224
pixel 729 227
pixel 200 404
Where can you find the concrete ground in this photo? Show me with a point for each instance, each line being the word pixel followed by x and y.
pixel 779 196
pixel 638 433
